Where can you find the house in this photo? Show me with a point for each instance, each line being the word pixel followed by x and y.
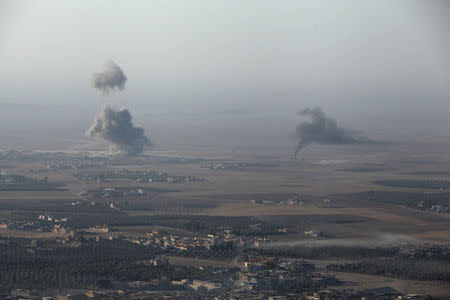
pixel 313 233
pixel 83 194
pixel 59 229
pixel 438 208
pixel 5 226
pixel 196 284
pixel 179 282
pixel 99 228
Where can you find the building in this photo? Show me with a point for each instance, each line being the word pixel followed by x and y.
pixel 313 233
pixel 198 284
pixel 438 208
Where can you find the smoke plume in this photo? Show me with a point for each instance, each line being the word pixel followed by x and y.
pixel 111 78
pixel 324 130
pixel 116 128
pixel 371 241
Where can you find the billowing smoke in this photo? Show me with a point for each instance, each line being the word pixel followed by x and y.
pixel 116 128
pixel 111 78
pixel 371 241
pixel 324 130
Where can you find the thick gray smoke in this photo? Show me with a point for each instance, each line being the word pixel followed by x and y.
pixel 116 128
pixel 111 78
pixel 324 130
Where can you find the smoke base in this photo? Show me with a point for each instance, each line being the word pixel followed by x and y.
pixel 324 130
pixel 116 128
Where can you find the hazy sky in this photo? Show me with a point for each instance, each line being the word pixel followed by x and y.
pixel 370 64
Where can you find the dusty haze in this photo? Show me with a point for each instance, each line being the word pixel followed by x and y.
pixel 229 73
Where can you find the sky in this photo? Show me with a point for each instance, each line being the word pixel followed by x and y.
pixel 229 68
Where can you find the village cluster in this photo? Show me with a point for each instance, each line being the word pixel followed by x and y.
pixel 138 176
pixel 253 275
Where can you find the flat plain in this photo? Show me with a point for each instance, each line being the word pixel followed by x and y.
pixel 328 185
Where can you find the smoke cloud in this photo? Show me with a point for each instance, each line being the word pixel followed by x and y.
pixel 108 80
pixel 324 130
pixel 116 128
pixel 375 240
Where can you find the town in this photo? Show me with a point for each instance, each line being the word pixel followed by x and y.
pixel 251 276
pixel 188 264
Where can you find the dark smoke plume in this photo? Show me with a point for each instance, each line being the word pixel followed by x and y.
pixel 324 130
pixel 111 78
pixel 116 128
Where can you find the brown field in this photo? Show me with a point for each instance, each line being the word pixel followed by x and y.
pixel 361 282
pixel 31 234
